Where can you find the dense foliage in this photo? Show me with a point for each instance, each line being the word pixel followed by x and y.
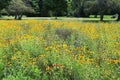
pixel 59 50
pixel 76 8
pixel 18 8
pixel 4 3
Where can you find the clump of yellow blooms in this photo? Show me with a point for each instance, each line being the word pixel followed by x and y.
pixel 29 43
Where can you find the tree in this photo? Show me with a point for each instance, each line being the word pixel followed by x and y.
pixel 4 3
pixel 116 8
pixel 69 8
pixel 103 7
pixel 91 7
pixel 40 4
pixel 35 5
pixel 18 8
pixel 78 8
pixel 55 7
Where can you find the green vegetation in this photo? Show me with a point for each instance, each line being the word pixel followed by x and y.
pixel 59 40
pixel 55 8
pixel 59 50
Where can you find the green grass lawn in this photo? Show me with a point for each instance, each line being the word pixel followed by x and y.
pixel 91 18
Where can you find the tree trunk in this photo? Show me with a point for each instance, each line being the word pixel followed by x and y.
pixel 40 3
pixel 16 16
pixel 20 17
pixel 0 14
pixel 118 19
pixel 101 17
pixel 95 16
pixel 56 15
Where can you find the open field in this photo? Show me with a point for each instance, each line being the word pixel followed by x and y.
pixel 59 50
pixel 91 18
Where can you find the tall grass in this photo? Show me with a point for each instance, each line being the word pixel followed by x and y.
pixel 57 50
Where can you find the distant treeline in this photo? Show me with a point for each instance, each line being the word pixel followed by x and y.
pixel 73 8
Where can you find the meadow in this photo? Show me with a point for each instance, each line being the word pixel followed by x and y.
pixel 59 50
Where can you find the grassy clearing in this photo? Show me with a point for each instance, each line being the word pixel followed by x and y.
pixel 106 18
pixel 59 50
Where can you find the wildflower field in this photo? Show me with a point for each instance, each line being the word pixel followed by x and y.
pixel 59 50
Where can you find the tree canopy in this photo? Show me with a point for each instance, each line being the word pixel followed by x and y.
pixel 18 8
pixel 116 8
pixel 75 8
pixel 4 3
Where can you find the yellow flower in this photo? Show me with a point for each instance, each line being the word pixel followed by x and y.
pixel 34 63
pixel 0 44
pixel 18 52
pixel 80 61
pixel 48 68
pixel 15 49
pixel 64 45
pixel 42 55
pixel 13 58
pixel 115 61
pixel 9 64
pixel 34 59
